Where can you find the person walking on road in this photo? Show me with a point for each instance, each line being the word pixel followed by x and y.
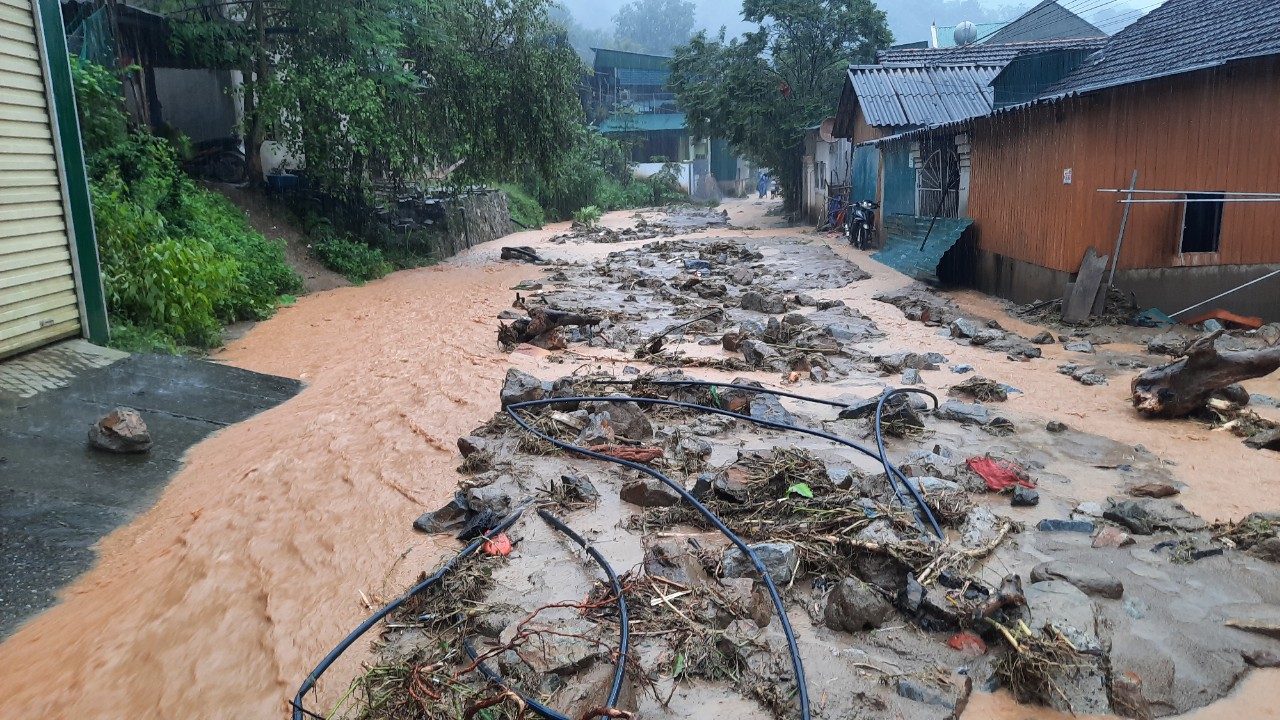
pixel 763 186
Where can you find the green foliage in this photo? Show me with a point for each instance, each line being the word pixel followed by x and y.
pixel 177 261
pixel 342 254
pixel 589 216
pixel 655 26
pixel 130 338
pixel 525 211
pixel 666 185
pixel 589 172
pixel 761 91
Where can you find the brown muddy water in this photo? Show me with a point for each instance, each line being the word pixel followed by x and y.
pixel 282 532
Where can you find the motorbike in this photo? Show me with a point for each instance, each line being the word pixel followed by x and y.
pixel 861 224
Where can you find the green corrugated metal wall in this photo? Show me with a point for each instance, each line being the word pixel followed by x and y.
pixel 899 180
pixel 866 173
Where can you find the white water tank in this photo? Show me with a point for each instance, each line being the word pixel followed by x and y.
pixel 966 33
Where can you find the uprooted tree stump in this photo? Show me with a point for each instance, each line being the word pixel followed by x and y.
pixel 540 322
pixel 1184 386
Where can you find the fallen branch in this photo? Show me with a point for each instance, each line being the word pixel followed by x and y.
pixel 1184 386
pixel 541 322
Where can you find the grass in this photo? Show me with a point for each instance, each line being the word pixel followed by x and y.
pixel 525 211
pixel 134 339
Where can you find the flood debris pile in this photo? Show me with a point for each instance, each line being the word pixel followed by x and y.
pixel 627 599
pixel 708 303
pixel 920 304
pixel 667 223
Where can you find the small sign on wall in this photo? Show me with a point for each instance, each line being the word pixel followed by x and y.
pixel 1066 176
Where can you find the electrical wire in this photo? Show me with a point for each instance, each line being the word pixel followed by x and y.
pixel 624 639
pixel 314 676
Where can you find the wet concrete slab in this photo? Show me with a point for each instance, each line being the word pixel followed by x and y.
pixel 58 496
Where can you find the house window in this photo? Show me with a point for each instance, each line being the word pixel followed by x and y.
pixel 1202 223
pixel 938 179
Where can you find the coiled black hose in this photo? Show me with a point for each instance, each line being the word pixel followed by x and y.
pixel 298 710
pixel 890 470
pixel 624 639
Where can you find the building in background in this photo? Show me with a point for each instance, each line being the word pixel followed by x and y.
pixel 1186 97
pixel 629 100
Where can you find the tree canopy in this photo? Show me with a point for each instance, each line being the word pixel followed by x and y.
pixel 654 26
pixel 761 92
pixel 400 89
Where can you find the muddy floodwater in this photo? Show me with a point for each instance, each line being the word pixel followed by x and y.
pixel 283 532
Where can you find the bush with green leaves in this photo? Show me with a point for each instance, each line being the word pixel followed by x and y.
pixel 589 216
pixel 340 253
pixel 177 261
pixel 525 211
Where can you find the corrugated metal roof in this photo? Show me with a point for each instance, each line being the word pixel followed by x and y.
pixel 630 77
pixel 898 96
pixel 947 33
pixel 981 54
pixel 643 123
pixel 1180 36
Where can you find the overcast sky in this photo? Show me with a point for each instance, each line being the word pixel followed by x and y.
pixel 909 19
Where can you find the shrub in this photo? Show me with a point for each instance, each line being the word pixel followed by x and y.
pixel 589 215
pixel 357 261
pixel 525 211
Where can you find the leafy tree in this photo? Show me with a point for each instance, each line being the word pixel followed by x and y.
pixel 760 92
pixel 654 26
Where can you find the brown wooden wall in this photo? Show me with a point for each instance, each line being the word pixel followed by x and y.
pixel 1215 130
pixel 863 132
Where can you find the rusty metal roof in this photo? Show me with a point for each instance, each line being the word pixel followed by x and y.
pixel 983 53
pixel 923 96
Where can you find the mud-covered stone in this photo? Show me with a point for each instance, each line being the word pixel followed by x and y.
pixel 1079 346
pixel 627 419
pixel 1110 537
pixel 757 353
pixel 779 559
pixel 1054 426
pixel 963 413
pixel 492 498
pixel 1024 497
pixel 1146 516
pixel 1089 579
pixel 767 304
pixel 469 445
pixel 769 408
pixel 674 560
pixel 855 606
pixel 521 387
pixel 448 519
pixel 986 337
pixel 981 527
pixel 1056 525
pixel 879 532
pixel 122 431
pixel 649 492
pixel 1169 343
pixel 911 376
pixel 1043 338
pixel 579 488
pixel 962 328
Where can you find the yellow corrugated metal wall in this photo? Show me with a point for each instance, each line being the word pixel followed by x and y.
pixel 38 301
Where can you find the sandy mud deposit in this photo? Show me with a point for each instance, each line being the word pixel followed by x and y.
pixel 624 496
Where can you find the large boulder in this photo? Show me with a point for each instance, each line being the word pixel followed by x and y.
pixel 1146 516
pixel 1065 609
pixel 121 431
pixel 649 492
pixel 768 304
pixel 1090 579
pixel 626 418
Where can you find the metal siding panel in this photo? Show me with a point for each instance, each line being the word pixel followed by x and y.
pixel 38 298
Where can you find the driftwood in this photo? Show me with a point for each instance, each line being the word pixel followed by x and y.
pixel 524 252
pixel 1185 385
pixel 540 322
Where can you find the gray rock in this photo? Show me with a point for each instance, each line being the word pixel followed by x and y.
pixel 773 331
pixel 579 488
pixel 521 387
pixel 855 606
pixel 1212 325
pixel 567 649
pixel 489 498
pixel 709 290
pixel 626 418
pixel 962 328
pixel 916 690
pixel 649 492
pixel 962 369
pixel 819 374
pixel 1257 400
pixel 828 304
pixel 963 413
pixel 1268 550
pixel 751 328
pixel 839 477
pixel 509 315
pixel 795 320
pixel 1051 525
pixel 936 358
pixel 1056 427
pixel 898 361
pixel 1091 580
pixel 757 353
pixel 879 532
pixel 933 484
pixel 1044 338
pixel 979 528
pixel 779 560
pixel 742 276
pixel 528 285
pixel 986 337
pixel 1169 343
pixel 122 431
pixel 1145 516
pixel 1091 379
pixel 448 519
pixel 911 376
pixel 673 560
pixel 1266 440
pixel 806 300
pixel 1024 497
pixel 1066 609
pixel 1089 509
pixel 755 302
pixel 1080 346
pixel 768 407
pixel 599 431
pixel 469 445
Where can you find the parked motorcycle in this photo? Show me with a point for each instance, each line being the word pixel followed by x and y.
pixel 861 224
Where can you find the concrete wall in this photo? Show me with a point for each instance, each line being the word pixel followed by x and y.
pixel 487 217
pixel 1168 289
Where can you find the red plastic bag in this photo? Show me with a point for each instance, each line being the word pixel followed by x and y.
pixel 1000 475
pixel 499 544
pixel 968 643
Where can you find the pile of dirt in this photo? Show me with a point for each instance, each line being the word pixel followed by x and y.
pixel 276 222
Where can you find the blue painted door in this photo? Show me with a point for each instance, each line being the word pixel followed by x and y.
pixel 899 180
pixel 866 173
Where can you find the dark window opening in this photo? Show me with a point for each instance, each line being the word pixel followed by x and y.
pixel 1202 223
